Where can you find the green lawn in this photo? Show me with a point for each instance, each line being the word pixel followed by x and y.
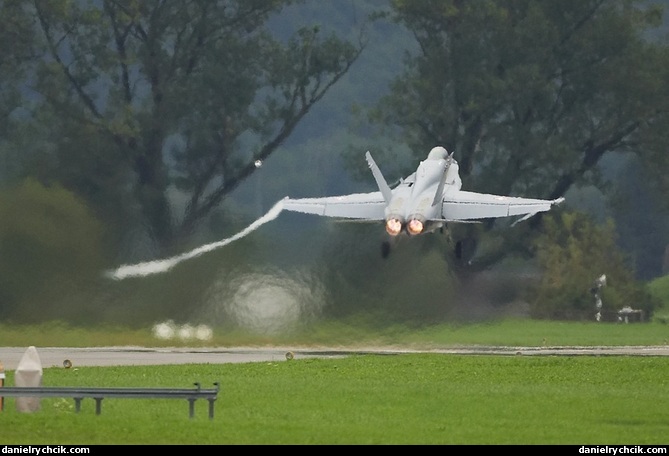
pixel 368 399
pixel 510 332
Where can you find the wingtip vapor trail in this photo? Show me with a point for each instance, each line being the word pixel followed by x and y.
pixel 158 266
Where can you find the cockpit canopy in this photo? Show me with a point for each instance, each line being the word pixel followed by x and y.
pixel 437 153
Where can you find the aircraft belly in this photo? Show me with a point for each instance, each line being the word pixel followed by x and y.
pixel 395 208
pixel 423 207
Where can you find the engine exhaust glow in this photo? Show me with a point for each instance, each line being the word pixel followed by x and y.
pixel 393 226
pixel 415 226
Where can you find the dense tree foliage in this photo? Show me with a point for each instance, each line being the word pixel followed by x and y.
pixel 152 113
pixel 51 254
pixel 573 252
pixel 139 101
pixel 642 221
pixel 532 95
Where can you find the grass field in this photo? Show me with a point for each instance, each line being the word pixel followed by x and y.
pixel 367 399
pixel 507 332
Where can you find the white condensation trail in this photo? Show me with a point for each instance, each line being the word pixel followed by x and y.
pixel 158 266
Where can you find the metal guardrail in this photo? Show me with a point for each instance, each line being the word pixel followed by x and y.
pixel 80 393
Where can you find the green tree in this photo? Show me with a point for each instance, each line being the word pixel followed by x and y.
pixel 16 37
pixel 51 254
pixel 531 95
pixel 572 252
pixel 659 288
pixel 142 100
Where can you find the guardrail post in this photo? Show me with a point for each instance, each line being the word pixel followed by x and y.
pixel 211 409
pixel 98 405
pixel 77 404
pixel 211 401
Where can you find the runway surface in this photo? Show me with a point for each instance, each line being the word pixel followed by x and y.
pixel 128 356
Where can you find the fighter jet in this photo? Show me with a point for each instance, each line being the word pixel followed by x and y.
pixel 423 202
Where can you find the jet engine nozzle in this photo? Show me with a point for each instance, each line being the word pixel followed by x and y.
pixel 415 225
pixel 394 225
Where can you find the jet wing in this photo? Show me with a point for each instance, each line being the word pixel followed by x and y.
pixel 463 205
pixel 365 206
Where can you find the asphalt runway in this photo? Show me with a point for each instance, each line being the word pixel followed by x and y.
pixel 128 356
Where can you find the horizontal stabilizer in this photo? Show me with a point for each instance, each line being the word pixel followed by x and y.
pixel 440 189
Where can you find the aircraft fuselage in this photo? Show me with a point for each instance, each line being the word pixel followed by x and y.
pixel 415 206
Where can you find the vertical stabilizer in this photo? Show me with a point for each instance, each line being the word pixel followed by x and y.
pixel 380 180
pixel 440 189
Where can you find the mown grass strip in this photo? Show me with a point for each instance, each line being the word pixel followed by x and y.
pixel 510 332
pixel 369 399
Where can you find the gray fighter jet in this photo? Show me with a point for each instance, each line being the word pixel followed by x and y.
pixel 426 200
